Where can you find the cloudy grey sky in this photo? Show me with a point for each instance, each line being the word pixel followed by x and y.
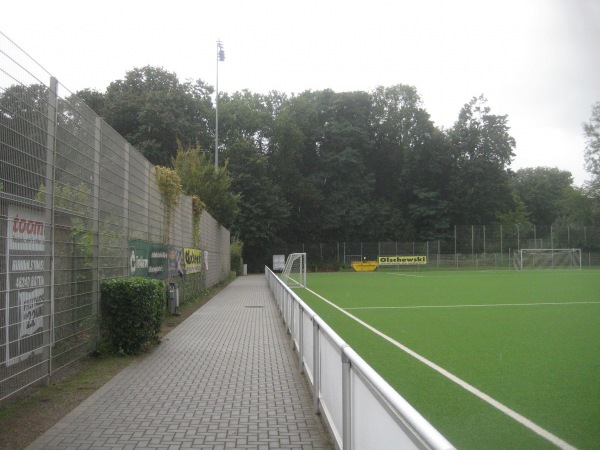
pixel 537 61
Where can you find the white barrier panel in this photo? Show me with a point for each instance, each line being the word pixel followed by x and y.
pixel 330 392
pixel 307 356
pixel 296 327
pixel 374 426
pixel 360 408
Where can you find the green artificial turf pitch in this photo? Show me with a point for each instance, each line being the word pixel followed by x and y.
pixel 530 340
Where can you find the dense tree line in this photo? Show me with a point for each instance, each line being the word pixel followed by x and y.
pixel 323 166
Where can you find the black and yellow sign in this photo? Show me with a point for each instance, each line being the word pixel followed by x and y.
pixel 402 260
pixel 192 260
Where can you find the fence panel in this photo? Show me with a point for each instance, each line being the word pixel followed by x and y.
pixel 75 200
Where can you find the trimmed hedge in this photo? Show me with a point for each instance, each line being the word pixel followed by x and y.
pixel 132 313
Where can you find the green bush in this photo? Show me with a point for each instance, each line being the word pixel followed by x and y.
pixel 132 313
pixel 236 256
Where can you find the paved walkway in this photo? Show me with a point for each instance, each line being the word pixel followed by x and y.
pixel 225 378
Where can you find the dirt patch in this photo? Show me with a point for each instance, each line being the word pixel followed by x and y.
pixel 27 416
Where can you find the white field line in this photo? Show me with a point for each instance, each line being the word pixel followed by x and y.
pixel 471 306
pixel 407 275
pixel 472 389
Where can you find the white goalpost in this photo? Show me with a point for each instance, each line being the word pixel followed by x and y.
pixel 547 258
pixel 294 273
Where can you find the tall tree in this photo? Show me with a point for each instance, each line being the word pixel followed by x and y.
pixel 291 169
pixel 543 190
pixel 483 150
pixel 346 182
pixel 94 99
pixel 411 160
pixel 246 140
pixel 263 211
pixel 152 109
pixel 247 117
pixel 579 207
pixel 592 149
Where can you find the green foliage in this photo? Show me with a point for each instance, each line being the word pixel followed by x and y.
pixel 426 214
pixel 482 149
pixel 323 166
pixel 169 185
pixel 152 109
pixel 197 207
pixel 517 216
pixel 592 158
pixel 132 313
pixel 543 190
pixel 263 210
pixel 199 178
pixel 73 198
pixel 592 148
pixel 94 99
pixel 236 256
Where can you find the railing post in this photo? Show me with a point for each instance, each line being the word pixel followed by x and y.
pixel 284 305
pixel 346 402
pixel 301 338
pixel 291 327
pixel 316 367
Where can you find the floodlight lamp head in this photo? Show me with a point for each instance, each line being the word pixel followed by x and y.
pixel 220 51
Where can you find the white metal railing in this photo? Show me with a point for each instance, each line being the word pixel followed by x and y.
pixel 361 410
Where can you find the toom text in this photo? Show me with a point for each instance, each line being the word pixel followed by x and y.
pixel 401 260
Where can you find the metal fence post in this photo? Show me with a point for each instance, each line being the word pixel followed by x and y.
pixel 96 226
pixel 48 338
pixel 126 198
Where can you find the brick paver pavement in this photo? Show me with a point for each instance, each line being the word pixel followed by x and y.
pixel 225 378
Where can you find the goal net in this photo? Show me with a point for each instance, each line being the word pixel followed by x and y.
pixel 294 273
pixel 554 258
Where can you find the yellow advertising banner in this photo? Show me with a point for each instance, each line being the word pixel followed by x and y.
pixel 192 260
pixel 402 260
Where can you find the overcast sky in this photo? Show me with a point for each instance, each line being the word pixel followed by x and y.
pixel 537 61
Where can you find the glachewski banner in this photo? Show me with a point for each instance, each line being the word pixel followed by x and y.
pixel 192 260
pixel 27 283
pixel 402 260
pixel 147 259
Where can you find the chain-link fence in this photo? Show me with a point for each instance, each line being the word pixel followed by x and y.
pixel 78 205
pixel 485 246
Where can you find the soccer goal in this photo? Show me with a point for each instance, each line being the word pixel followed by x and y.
pixel 294 273
pixel 548 258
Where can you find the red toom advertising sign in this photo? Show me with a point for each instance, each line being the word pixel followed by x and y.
pixel 26 233
pixel 27 281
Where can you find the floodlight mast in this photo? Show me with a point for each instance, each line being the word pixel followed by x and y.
pixel 220 57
